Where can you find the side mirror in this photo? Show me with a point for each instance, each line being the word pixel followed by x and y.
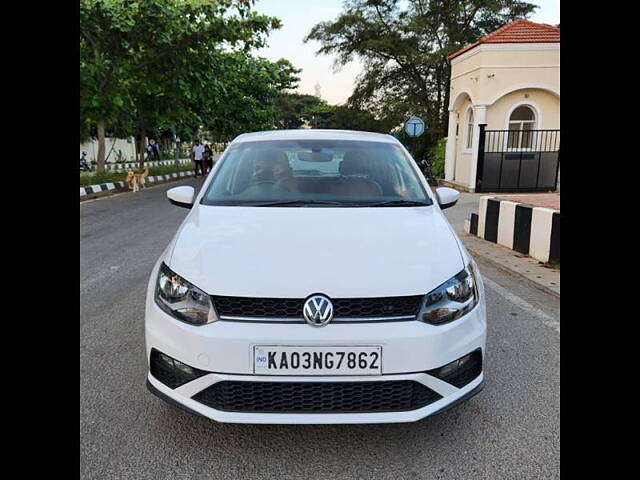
pixel 447 197
pixel 181 196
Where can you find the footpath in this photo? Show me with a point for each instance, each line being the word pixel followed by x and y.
pixel 527 269
pixel 94 191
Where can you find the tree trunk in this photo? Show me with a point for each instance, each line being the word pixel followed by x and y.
pixel 143 135
pixel 100 159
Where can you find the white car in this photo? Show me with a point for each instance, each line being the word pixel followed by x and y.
pixel 315 280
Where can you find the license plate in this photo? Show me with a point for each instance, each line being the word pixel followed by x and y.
pixel 325 360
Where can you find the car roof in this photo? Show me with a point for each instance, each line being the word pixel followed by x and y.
pixel 314 134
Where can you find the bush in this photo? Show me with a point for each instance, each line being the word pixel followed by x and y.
pixel 436 158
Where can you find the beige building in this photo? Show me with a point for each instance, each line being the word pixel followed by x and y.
pixel 508 81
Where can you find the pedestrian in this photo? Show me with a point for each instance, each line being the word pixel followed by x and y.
pixel 152 150
pixel 156 150
pixel 196 156
pixel 207 157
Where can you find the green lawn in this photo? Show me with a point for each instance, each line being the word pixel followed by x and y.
pixel 111 177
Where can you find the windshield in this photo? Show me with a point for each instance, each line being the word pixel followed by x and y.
pixel 307 172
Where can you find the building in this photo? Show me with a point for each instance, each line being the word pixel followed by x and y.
pixel 504 111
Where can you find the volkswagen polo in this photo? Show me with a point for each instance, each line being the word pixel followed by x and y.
pixel 315 279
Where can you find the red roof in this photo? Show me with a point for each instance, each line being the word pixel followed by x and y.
pixel 519 31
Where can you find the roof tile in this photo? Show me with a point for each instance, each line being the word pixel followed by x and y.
pixel 519 31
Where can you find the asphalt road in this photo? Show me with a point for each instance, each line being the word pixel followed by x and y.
pixel 510 430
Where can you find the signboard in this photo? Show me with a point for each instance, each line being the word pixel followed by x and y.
pixel 414 127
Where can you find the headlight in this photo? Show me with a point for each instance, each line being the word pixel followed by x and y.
pixel 182 300
pixel 452 299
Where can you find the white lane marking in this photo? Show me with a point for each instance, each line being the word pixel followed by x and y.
pixel 519 302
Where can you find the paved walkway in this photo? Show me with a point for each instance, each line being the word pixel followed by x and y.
pixel 525 268
pixel 548 200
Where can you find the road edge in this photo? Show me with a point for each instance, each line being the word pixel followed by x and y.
pixel 110 189
pixel 511 271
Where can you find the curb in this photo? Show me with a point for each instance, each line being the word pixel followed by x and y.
pixel 512 272
pixel 123 166
pixel 457 186
pixel 123 186
pixel 530 230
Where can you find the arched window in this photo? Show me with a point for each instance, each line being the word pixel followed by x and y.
pixel 521 123
pixel 469 139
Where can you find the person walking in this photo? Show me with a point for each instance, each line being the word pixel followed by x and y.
pixel 152 150
pixel 207 157
pixel 196 156
pixel 156 149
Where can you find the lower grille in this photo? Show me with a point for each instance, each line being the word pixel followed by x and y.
pixel 317 397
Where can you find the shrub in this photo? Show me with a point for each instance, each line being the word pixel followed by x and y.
pixel 436 157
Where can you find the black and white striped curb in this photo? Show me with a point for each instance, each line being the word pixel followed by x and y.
pixel 129 166
pixel 533 231
pixel 120 186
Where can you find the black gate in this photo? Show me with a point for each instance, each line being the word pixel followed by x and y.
pixel 518 160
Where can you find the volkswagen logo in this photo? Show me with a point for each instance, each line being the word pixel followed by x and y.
pixel 318 310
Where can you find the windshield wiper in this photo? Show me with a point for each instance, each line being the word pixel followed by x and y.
pixel 400 203
pixel 300 203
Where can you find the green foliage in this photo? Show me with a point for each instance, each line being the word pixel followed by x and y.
pixel 292 109
pixel 417 146
pixel 353 118
pixel 404 47
pixel 436 157
pixel 149 65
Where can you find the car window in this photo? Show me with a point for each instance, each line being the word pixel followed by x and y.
pixel 331 171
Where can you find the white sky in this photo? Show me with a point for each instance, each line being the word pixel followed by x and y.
pixel 299 16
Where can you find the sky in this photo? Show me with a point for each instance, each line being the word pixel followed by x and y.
pixel 299 16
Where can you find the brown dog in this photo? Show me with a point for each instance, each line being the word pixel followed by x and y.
pixel 136 179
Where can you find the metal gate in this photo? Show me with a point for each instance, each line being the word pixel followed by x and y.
pixel 518 160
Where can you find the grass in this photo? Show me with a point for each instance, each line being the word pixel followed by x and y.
pixel 111 177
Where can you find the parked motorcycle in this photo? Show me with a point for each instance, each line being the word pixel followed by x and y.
pixel 426 171
pixel 84 165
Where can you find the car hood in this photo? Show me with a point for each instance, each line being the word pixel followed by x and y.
pixel 292 252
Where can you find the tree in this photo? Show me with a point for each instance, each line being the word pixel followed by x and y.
pixel 145 65
pixel 404 51
pixel 352 118
pixel 291 109
pixel 252 87
pixel 321 115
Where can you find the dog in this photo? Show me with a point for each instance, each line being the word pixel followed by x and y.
pixel 136 179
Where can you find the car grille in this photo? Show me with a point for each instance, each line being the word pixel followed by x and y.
pixel 317 397
pixel 291 308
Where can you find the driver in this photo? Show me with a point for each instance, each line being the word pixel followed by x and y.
pixel 273 167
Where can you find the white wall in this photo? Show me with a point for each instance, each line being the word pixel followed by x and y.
pixel 126 146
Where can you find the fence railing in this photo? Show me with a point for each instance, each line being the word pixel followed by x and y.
pixel 521 140
pixel 518 160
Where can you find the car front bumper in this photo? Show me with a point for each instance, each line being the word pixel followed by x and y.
pixel 224 350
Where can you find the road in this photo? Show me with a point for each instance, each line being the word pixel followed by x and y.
pixel 510 430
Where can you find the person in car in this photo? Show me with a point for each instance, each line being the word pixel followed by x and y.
pixel 273 167
pixel 354 177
